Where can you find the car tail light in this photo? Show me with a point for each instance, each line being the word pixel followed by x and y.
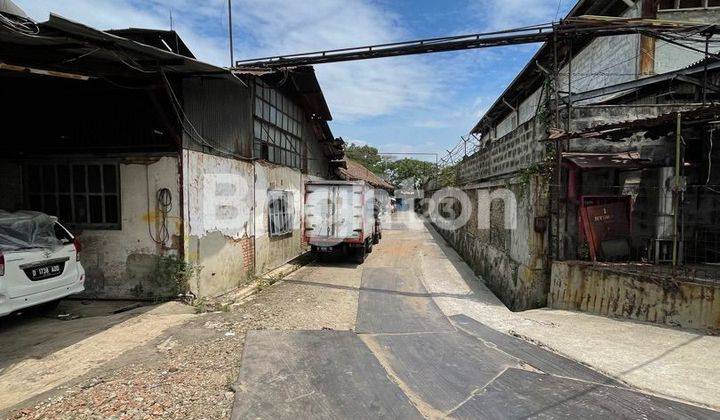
pixel 2 264
pixel 76 244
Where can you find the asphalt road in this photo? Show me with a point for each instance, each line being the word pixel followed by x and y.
pixel 406 359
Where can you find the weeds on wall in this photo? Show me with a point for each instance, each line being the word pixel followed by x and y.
pixel 172 275
pixel 544 170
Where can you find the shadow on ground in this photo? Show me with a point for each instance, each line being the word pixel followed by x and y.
pixel 35 333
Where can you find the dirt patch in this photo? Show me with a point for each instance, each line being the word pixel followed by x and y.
pixel 187 372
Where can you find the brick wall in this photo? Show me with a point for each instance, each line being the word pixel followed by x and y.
pixel 248 253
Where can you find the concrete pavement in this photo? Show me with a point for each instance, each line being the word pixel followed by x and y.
pixel 668 362
pixel 430 342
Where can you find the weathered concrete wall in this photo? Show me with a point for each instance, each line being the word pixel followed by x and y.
pixel 121 263
pixel 581 287
pixel 218 209
pixel 511 262
pixel 273 251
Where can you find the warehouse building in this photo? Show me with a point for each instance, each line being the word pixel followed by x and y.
pixel 617 201
pixel 169 170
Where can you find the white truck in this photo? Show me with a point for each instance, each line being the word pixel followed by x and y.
pixel 341 217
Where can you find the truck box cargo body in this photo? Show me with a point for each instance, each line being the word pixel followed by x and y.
pixel 341 218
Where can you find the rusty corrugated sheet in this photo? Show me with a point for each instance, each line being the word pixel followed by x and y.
pixel 221 111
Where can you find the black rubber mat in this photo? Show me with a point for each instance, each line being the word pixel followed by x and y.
pixel 442 368
pixel 395 301
pixel 314 374
pixel 535 356
pixel 521 394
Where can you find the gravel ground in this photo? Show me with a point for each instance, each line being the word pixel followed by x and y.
pixel 189 371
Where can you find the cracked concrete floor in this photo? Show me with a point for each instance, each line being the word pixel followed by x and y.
pixel 406 359
pixel 308 360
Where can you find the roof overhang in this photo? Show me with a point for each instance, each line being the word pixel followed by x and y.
pixel 623 161
pixel 70 47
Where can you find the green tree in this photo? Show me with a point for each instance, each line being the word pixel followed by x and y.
pixel 367 156
pixel 418 171
pixel 448 176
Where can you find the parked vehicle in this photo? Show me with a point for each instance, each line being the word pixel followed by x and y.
pixel 341 218
pixel 39 261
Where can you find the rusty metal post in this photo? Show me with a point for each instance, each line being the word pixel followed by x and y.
pixel 554 198
pixel 676 201
pixel 647 43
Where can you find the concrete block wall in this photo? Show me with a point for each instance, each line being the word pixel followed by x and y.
pixel 517 150
pixel 675 302
pixel 670 57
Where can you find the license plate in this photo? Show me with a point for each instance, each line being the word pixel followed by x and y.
pixel 45 272
pixel 325 249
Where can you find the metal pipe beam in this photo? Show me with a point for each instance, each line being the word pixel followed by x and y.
pixel 594 27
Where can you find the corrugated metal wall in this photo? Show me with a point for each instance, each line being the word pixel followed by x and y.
pixel 221 111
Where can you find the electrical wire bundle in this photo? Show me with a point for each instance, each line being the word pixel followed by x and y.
pixel 19 24
pixel 164 203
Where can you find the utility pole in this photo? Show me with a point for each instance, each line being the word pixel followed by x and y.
pixel 230 34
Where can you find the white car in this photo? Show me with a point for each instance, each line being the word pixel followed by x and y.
pixel 39 261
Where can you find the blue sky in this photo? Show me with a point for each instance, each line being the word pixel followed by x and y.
pixel 405 104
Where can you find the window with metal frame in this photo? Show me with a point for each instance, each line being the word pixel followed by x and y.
pixel 277 127
pixel 80 194
pixel 280 213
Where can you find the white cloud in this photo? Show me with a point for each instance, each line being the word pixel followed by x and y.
pixel 507 14
pixel 190 21
pixel 354 91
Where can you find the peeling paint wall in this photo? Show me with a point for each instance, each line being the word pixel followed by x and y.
pixel 219 230
pixel 273 251
pixel 121 263
pixel 581 287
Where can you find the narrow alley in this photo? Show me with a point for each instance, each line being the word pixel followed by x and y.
pixel 396 209
pixel 410 333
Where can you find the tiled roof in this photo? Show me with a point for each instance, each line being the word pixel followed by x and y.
pixel 357 172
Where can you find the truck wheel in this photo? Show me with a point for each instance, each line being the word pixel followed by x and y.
pixel 369 246
pixel 376 239
pixel 360 255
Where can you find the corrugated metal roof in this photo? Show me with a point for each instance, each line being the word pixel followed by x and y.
pixel 698 114
pixel 67 46
pixel 624 160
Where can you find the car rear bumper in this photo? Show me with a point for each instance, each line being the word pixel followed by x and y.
pixel 8 305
